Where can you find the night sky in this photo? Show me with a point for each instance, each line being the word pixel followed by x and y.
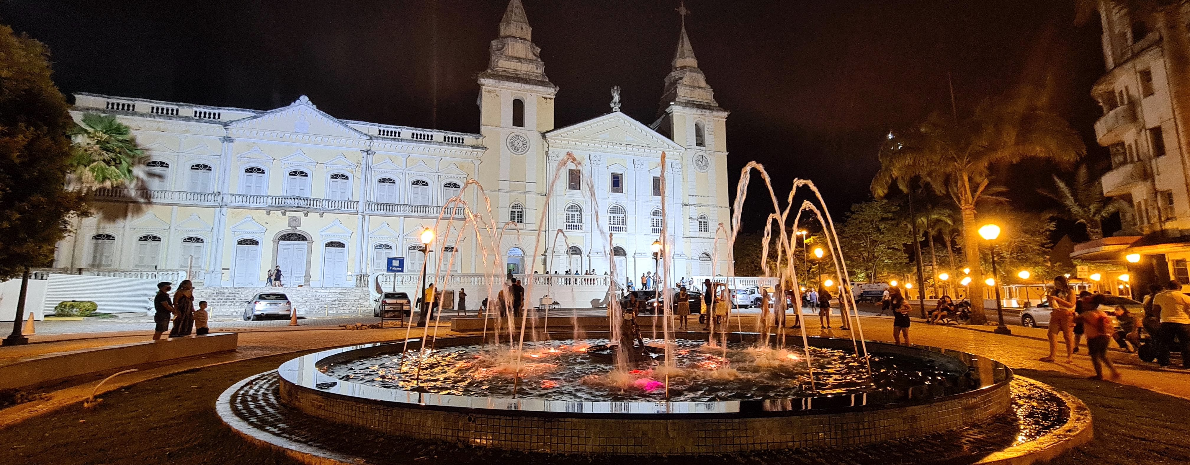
pixel 812 84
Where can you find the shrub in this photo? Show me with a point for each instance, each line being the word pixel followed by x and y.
pixel 75 308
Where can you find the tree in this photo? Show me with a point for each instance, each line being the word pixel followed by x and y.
pixel 955 157
pixel 104 152
pixel 35 157
pixel 1084 202
pixel 873 240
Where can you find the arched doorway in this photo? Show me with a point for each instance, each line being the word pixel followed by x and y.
pixel 515 263
pixel 334 264
pixel 293 250
pixel 247 263
pixel 575 259
pixel 620 256
pixel 704 264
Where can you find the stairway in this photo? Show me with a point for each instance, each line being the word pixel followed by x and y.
pixel 309 301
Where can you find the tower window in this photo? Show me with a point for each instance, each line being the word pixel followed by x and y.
pixel 516 213
pixel 656 186
pixel 1146 82
pixel 617 183
pixel 1140 30
pixel 574 217
pixel 1157 141
pixel 700 136
pixel 518 113
pixel 574 180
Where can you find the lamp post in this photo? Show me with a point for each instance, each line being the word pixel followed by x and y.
pixel 1132 258
pixel 945 278
pixel 1024 275
pixel 656 248
pixel 427 237
pixel 990 232
pixel 805 253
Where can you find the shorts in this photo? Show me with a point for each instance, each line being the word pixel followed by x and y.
pixel 1098 345
pixel 1059 321
pixel 203 331
pixel 161 320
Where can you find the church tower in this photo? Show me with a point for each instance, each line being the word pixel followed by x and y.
pixel 516 106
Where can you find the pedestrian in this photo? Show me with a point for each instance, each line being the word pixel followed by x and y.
pixel 763 323
pixel 824 308
pixel 900 308
pixel 845 321
pixel 462 301
pixel 201 316
pixel 483 307
pixel 184 308
pixel 708 300
pixel 268 279
pixel 649 281
pixel 1128 332
pixel 518 298
pixel 1098 328
pixel 163 310
pixel 1080 306
pixel 885 302
pixel 1175 322
pixel 1152 319
pixel 1061 299
pixel 683 307
pixel 812 298
pixel 644 282
pixel 277 278
pixel 787 292
pixel 427 302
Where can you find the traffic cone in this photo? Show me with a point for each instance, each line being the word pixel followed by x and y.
pixel 293 316
pixel 29 330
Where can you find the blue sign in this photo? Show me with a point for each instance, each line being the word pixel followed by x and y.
pixel 396 264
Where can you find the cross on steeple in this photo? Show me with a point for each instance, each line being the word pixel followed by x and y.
pixel 683 11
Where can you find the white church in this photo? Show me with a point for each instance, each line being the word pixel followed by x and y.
pixel 230 193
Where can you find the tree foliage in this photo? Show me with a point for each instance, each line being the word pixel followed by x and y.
pixel 1083 201
pixel 35 157
pixel 104 151
pixel 873 240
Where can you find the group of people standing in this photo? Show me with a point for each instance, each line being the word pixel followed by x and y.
pixel 1077 315
pixel 273 278
pixel 180 309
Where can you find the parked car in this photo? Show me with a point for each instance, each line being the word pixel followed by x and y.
pixel 392 302
pixel 268 304
pixel 1039 315
pixel 747 297
pixel 874 295
pixel 655 305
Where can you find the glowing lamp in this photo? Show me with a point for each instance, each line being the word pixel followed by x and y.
pixel 966 271
pixel 893 283
pixel 1124 277
pixel 427 236
pixel 908 285
pixel 1024 274
pixel 656 247
pixel 1095 277
pixel 990 281
pixel 944 276
pixel 966 280
pixel 802 232
pixel 989 232
pixel 828 283
pixel 1133 258
pixel 818 252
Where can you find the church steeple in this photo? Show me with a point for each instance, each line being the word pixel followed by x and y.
pixel 514 56
pixel 686 85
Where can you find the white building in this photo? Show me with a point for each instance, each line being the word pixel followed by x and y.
pixel 236 192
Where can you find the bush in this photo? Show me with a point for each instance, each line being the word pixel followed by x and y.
pixel 75 308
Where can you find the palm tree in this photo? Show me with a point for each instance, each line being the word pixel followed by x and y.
pixel 1084 202
pixel 935 220
pixel 955 158
pixel 104 152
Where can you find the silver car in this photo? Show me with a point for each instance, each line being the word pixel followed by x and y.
pixel 1039 315
pixel 268 304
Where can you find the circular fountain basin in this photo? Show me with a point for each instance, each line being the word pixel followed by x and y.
pixel 975 390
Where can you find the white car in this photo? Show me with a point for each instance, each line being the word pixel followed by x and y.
pixel 1039 315
pixel 749 297
pixel 268 304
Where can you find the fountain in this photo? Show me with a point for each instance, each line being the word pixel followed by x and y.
pixel 613 391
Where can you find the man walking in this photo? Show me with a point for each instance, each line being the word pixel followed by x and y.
pixel 427 302
pixel 277 277
pixel 1175 322
pixel 518 298
pixel 163 310
pixel 462 301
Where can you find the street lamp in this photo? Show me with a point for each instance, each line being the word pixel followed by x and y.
pixel 1133 258
pixel 966 271
pixel 1024 274
pixel 1095 277
pixel 893 283
pixel 829 283
pixel 656 248
pixel 427 237
pixel 818 252
pixel 990 232
pixel 1124 277
pixel 943 276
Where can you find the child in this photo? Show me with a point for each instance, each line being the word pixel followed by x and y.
pixel 1098 328
pixel 900 320
pixel 200 319
pixel 1127 332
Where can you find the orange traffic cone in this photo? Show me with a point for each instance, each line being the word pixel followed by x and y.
pixel 29 330
pixel 293 316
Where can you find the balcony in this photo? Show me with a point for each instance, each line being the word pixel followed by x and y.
pixel 157 196
pixel 289 202
pixel 1110 129
pixel 424 211
pixel 1121 180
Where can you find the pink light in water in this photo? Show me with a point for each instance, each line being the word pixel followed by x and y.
pixel 648 385
pixel 549 384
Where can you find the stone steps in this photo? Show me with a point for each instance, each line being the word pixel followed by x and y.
pixel 309 301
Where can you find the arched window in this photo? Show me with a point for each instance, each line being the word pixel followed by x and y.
pixel 450 190
pixel 380 256
pixel 516 213
pixel 617 219
pixel 515 262
pixel 297 183
pixel 386 190
pixel 655 222
pixel 700 137
pixel 518 113
pixel 336 245
pixel 704 264
pixel 247 242
pixel 619 252
pixel 704 225
pixel 705 257
pixel 339 187
pixel 574 217
pixel 574 250
pixel 192 252
pixel 200 178
pixel 148 250
pixel 157 175
pixel 103 248
pixel 419 192
pixel 256 181
pixel 293 237
pixel 414 257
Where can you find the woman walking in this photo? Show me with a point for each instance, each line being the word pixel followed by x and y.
pixel 268 279
pixel 824 308
pixel 683 307
pixel 1061 300
pixel 184 306
pixel 900 309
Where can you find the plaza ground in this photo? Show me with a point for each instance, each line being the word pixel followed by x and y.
pixel 166 412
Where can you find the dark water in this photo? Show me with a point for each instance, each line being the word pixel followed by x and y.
pixel 561 370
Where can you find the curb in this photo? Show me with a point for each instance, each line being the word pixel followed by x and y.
pixel 1077 431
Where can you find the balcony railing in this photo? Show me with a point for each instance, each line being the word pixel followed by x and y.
pixel 1120 180
pixel 278 202
pixel 404 209
pixel 158 196
pixel 1111 128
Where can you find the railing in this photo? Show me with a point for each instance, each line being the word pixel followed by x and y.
pixel 158 196
pixel 738 282
pixel 430 211
pixel 1120 180
pixel 173 276
pixel 274 201
pixel 1111 127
